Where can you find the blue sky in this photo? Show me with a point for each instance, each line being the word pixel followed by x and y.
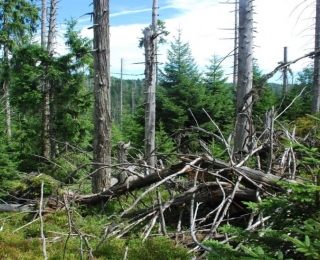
pixel 279 23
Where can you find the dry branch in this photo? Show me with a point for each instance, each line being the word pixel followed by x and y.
pixel 181 169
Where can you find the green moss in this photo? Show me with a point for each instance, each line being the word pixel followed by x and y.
pixel 153 248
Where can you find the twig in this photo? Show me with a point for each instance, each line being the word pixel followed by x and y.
pixel 44 249
pixel 14 231
pixel 258 223
pixel 66 204
pixel 227 145
pixel 192 220
pixel 179 221
pixel 271 132
pixel 126 253
pixel 162 219
pixel 188 166
pixel 152 223
pixel 295 98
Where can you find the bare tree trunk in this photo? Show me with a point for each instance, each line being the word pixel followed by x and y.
pixel 285 72
pixel 52 26
pixel 48 91
pixel 121 92
pixel 6 86
pixel 245 77
pixel 102 116
pixel 43 22
pixel 316 80
pixel 134 87
pixel 7 109
pixel 235 55
pixel 150 82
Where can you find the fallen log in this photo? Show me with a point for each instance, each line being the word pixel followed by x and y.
pixel 117 190
pixel 15 208
pixel 204 192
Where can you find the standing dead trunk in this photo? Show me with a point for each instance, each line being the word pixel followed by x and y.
pixel 6 85
pixel 134 87
pixel 316 80
pixel 48 91
pixel 43 22
pixel 235 55
pixel 7 108
pixel 102 108
pixel 245 77
pixel 285 72
pixel 121 92
pixel 150 82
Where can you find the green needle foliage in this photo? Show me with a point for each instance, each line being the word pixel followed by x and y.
pixel 71 101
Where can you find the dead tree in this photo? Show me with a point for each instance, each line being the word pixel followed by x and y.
pixel 245 77
pixel 150 82
pixel 48 91
pixel 43 22
pixel 316 79
pixel 285 72
pixel 6 84
pixel 235 57
pixel 102 104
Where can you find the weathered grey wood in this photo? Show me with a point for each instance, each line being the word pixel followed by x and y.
pixel 316 78
pixel 285 72
pixel 14 208
pixel 254 175
pixel 101 179
pixel 205 192
pixel 43 22
pixel 150 81
pixel 245 77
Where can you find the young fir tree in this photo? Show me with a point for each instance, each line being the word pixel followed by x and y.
pixel 72 101
pixel 180 90
pixel 267 97
pixel 18 20
pixel 303 103
pixel 220 94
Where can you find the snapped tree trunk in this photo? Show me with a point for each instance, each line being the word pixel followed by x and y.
pixel 102 104
pixel 150 81
pixel 245 77
pixel 316 79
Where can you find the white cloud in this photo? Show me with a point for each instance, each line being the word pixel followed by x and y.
pixel 202 22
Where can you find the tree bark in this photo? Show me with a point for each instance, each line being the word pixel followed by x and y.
pixel 6 85
pixel 255 176
pixel 285 72
pixel 245 77
pixel 316 80
pixel 235 57
pixel 150 81
pixel 48 91
pixel 43 22
pixel 102 120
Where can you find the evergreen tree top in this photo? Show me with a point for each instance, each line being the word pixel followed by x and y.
pixel 180 64
pixel 214 76
pixel 18 18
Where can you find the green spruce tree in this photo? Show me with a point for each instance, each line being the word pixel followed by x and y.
pixel 220 96
pixel 181 90
pixel 302 104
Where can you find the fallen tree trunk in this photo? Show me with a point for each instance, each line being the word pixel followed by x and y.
pixel 15 208
pixel 248 173
pixel 204 192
